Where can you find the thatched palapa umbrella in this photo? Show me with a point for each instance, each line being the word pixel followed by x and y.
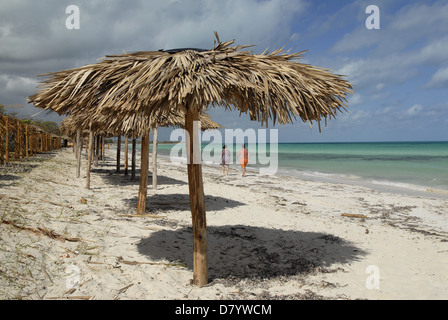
pixel 269 86
pixel 134 125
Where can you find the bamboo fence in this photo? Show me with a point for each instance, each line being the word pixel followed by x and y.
pixel 19 140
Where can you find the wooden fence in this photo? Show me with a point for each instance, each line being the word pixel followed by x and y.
pixel 19 140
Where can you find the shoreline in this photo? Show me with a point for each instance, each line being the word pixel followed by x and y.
pixel 380 185
pixel 269 237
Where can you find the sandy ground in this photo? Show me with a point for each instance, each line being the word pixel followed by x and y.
pixel 269 237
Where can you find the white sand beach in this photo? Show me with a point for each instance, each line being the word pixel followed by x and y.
pixel 269 237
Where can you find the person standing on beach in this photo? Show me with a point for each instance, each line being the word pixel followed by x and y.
pixel 225 159
pixel 243 155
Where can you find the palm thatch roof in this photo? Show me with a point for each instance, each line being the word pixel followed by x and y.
pixel 272 85
pixel 135 125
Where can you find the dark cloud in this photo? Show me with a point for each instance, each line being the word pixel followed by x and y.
pixel 34 38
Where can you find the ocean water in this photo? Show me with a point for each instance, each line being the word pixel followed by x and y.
pixel 417 166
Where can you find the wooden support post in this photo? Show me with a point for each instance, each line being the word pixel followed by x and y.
pixel 118 154
pixel 32 140
pixel 7 141
pixel 144 166
pixel 75 146
pixel 103 150
pixel 89 158
pixel 100 148
pixel 16 141
pixel 126 156
pixel 27 143
pixel 197 201
pixel 20 147
pixel 97 150
pixel 134 147
pixel 2 160
pixel 78 156
pixel 154 157
pixel 35 139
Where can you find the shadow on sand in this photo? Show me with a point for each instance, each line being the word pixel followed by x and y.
pixel 240 252
pixel 180 202
pixel 11 171
pixel 108 173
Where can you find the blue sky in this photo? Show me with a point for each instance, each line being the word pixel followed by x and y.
pixel 399 72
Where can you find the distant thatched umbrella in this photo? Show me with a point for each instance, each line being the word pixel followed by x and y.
pixel 134 125
pixel 267 86
pixel 127 124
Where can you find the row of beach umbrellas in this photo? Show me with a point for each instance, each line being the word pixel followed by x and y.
pixel 132 93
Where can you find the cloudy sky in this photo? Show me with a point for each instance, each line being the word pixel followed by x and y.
pixel 399 72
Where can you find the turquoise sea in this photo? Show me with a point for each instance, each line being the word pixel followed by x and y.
pixel 407 165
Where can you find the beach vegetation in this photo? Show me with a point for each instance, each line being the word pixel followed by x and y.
pixel 48 126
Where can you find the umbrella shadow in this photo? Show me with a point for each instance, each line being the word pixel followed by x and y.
pixel 240 251
pixel 114 178
pixel 12 170
pixel 6 179
pixel 181 202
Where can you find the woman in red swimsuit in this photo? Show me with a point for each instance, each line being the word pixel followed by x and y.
pixel 243 154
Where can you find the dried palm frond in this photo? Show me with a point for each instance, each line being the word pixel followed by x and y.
pixel 272 86
pixel 127 124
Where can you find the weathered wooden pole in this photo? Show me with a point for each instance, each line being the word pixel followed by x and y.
pixel 197 201
pixel 89 158
pixel 144 166
pixel 103 150
pixel 34 142
pixel 1 141
pixel 27 141
pixel 97 150
pixel 118 154
pixel 75 146
pixel 126 156
pixel 134 147
pixel 154 157
pixel 17 141
pixel 7 141
pixel 78 152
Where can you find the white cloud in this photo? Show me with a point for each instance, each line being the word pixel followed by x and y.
pixel 415 22
pixel 34 38
pixel 355 116
pixel 377 72
pixel 439 79
pixel 413 37
pixel 354 100
pixel 40 33
pixel 384 111
pixel 414 110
